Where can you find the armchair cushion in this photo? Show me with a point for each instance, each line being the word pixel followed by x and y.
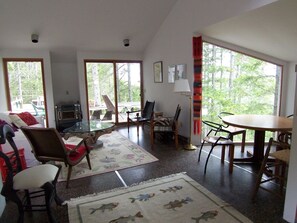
pixel 32 177
pixel 75 153
pixel 163 124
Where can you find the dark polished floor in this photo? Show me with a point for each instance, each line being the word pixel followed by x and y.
pixel 235 188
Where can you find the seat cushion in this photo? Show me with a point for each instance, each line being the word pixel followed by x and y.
pixel 34 177
pixel 283 155
pixel 75 154
pixel 163 125
pixel 218 140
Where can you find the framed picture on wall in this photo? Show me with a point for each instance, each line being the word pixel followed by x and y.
pixel 171 73
pixel 181 71
pixel 158 72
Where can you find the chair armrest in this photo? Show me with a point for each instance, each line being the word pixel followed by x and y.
pixel 128 112
pixel 213 125
pixel 75 148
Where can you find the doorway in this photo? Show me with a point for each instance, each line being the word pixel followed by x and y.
pixel 113 88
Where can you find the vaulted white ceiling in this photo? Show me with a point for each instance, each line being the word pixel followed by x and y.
pixel 271 30
pixel 67 26
pixel 70 25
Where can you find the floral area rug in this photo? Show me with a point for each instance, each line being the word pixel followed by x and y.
pixel 117 153
pixel 175 198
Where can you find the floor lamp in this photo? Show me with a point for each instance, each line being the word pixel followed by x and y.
pixel 182 86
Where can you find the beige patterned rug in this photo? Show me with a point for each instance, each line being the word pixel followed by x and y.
pixel 171 199
pixel 118 152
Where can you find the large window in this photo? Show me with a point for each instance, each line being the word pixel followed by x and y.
pixel 113 88
pixel 237 83
pixel 25 85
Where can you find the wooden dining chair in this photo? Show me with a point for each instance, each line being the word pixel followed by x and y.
pixel 274 171
pixel 30 189
pixel 233 131
pixel 285 136
pixel 217 136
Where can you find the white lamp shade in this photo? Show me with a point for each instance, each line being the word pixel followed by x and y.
pixel 182 86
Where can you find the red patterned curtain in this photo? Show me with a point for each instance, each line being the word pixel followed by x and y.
pixel 197 84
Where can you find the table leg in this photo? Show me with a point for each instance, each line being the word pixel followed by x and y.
pixel 259 145
pixel 258 149
pixel 93 138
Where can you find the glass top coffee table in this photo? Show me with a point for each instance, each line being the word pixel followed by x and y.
pixel 90 130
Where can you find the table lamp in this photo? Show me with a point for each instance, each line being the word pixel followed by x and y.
pixel 182 86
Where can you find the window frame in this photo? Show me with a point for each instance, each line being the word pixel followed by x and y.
pixel 255 55
pixel 114 62
pixel 6 80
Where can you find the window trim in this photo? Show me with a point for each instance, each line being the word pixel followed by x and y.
pixel 6 80
pixel 114 62
pixel 251 53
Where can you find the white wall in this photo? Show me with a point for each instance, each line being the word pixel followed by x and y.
pixel 47 78
pixel 173 45
pixel 291 193
pixel 65 83
pixel 84 55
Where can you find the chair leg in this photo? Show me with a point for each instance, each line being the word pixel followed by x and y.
pixel 28 200
pixel 49 190
pixel 208 158
pixel 200 150
pixel 223 154
pixel 243 142
pixel 89 162
pixel 231 152
pixel 282 176
pixel 137 128
pixel 12 196
pixel 68 175
pixel 261 171
pixel 176 139
pixel 152 137
pixel 128 125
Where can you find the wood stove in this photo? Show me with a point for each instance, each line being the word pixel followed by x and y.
pixel 67 115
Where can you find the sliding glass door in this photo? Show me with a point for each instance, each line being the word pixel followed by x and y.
pixel 112 89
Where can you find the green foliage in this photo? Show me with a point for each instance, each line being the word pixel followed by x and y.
pixel 25 81
pixel 100 81
pixel 234 82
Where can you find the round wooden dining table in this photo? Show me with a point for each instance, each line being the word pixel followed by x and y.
pixel 260 124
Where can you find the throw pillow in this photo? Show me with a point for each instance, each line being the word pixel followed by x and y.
pixel 28 118
pixel 17 121
pixel 3 122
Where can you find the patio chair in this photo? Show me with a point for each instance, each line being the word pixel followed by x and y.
pixel 217 136
pixel 39 111
pixel 47 145
pixel 166 126
pixel 22 186
pixel 110 108
pixel 274 170
pixel 233 131
pixel 142 116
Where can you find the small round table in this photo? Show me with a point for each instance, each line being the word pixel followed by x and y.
pixel 90 130
pixel 259 123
